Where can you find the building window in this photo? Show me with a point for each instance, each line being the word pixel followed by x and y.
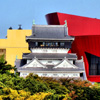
pixel 36 43
pixel 55 75
pixel 49 61
pixel 62 44
pixel 50 44
pixel 56 44
pixel 94 64
pixel 24 74
pixel 44 74
pixel 47 44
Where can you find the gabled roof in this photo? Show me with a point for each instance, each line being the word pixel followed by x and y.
pixel 49 32
pixel 65 64
pixel 34 63
pixel 49 55
pixel 39 67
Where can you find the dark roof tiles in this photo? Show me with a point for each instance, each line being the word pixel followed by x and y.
pixel 49 32
pixel 49 68
pixel 49 56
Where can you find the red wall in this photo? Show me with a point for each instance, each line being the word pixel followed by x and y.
pixel 87 36
pixel 77 25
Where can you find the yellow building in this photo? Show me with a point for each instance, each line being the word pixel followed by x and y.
pixel 14 45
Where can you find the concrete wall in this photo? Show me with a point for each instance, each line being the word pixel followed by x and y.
pixel 15 44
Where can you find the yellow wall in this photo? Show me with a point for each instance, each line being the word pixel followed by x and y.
pixel 15 44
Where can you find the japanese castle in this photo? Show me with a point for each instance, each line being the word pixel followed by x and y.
pixel 49 57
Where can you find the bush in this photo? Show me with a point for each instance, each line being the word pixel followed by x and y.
pixel 33 87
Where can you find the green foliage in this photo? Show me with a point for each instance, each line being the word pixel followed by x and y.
pixel 33 87
pixel 2 60
pixel 4 67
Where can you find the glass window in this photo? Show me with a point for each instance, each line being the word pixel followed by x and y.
pixel 44 74
pixel 55 74
pixel 94 65
pixel 49 61
pixel 56 43
pixel 36 43
pixel 62 44
pixel 50 44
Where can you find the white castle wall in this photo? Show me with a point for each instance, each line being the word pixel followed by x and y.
pixel 24 74
pixel 50 62
pixel 50 50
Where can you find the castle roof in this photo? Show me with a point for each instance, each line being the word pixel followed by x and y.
pixel 49 55
pixel 36 66
pixel 49 32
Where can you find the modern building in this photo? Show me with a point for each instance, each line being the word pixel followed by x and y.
pixel 14 45
pixel 49 57
pixel 87 40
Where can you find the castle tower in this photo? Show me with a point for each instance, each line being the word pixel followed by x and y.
pixel 49 57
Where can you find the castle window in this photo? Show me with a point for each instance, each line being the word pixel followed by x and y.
pixel 44 74
pixel 62 44
pixel 49 61
pixel 36 43
pixel 50 44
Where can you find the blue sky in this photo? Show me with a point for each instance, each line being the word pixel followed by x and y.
pixel 15 12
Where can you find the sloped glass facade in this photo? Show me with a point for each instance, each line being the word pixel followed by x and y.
pixel 94 64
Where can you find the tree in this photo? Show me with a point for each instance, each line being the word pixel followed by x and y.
pixel 4 67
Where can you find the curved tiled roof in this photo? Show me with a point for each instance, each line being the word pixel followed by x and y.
pixel 49 32
pixel 50 68
pixel 70 64
pixel 25 66
pixel 49 56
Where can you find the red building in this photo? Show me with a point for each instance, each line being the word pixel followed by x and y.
pixel 87 40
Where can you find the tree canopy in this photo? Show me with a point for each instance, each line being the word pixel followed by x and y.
pixel 4 67
pixel 33 87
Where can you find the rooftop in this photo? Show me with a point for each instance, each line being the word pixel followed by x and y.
pixel 50 32
pixel 49 55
